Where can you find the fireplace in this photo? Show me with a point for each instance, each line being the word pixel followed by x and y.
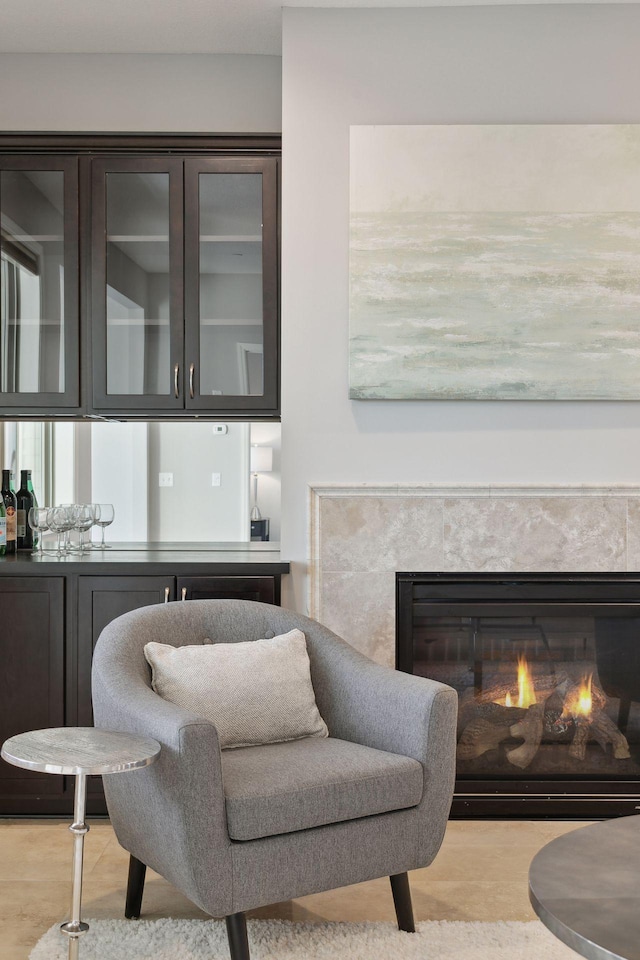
pixel 547 670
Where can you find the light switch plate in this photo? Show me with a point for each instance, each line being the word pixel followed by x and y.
pixel 215 479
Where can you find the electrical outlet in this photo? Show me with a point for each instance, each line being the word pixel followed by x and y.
pixel 215 479
pixel 165 479
pixel 220 428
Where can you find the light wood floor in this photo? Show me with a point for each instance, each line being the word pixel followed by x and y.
pixel 479 874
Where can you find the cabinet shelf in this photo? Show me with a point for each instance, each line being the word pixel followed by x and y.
pixel 163 238
pixel 36 238
pixel 136 238
pixel 229 238
pixel 211 322
pixel 136 322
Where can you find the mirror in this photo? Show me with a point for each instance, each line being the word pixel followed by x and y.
pixel 181 482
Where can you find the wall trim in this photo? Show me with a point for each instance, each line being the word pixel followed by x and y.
pixel 318 490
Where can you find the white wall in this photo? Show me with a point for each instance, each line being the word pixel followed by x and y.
pixel 192 510
pixel 112 446
pixel 500 64
pixel 140 92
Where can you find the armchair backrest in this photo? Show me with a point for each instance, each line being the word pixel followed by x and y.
pixel 119 661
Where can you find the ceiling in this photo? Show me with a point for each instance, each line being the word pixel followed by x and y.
pixel 165 26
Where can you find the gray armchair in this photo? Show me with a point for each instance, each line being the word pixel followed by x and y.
pixel 239 829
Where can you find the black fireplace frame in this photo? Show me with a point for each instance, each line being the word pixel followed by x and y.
pixel 439 594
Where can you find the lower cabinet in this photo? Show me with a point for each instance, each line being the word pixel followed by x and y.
pixel 50 629
pixel 263 589
pixel 101 600
pixel 32 683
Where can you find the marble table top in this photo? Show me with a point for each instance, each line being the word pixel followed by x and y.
pixel 76 750
pixel 584 887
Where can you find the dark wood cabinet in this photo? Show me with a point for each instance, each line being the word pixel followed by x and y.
pixel 137 325
pixel 51 625
pixel 176 309
pixel 32 683
pixel 101 600
pixel 39 285
pixel 262 589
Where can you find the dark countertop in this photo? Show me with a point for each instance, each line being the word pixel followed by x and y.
pixel 249 559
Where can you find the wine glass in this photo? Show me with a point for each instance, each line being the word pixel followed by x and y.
pixel 106 515
pixel 38 521
pixel 84 516
pixel 60 521
pixel 69 520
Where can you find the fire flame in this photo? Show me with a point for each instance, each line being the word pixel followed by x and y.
pixel 507 700
pixel 526 693
pixel 580 702
pixel 585 703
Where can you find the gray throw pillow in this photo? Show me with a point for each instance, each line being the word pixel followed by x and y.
pixel 255 692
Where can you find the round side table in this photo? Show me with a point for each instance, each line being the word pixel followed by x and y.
pixel 584 888
pixel 79 752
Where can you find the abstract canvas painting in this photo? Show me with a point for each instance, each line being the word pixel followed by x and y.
pixel 495 262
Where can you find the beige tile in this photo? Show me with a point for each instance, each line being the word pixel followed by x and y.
pixel 34 899
pixel 633 533
pixel 489 833
pixel 112 864
pixel 18 937
pixel 360 608
pixel 480 900
pixel 535 533
pixel 362 901
pixel 24 855
pixel 104 899
pixel 380 533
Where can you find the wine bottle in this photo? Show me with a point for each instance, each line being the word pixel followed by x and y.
pixel 3 529
pixel 9 501
pixel 35 504
pixel 25 502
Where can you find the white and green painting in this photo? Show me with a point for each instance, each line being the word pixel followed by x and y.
pixel 495 262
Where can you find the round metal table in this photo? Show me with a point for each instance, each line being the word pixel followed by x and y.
pixel 584 887
pixel 79 752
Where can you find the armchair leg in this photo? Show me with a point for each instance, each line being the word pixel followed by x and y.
pixel 237 934
pixel 402 902
pixel 135 888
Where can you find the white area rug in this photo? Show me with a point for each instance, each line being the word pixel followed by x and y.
pixel 282 940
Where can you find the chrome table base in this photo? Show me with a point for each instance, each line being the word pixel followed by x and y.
pixel 75 927
pixel 79 752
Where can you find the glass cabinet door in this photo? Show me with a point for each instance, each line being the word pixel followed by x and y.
pixel 137 277
pixel 231 299
pixel 39 352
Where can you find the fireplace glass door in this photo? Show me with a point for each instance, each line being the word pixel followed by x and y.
pixel 549 692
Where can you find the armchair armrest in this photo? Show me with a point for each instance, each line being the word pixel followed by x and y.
pixel 378 706
pixel 383 708
pixel 167 814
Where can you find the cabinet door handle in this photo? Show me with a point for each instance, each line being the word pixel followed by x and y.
pixel 176 388
pixel 192 368
pixel 184 593
pixel 167 591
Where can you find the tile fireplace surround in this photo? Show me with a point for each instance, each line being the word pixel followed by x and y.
pixel 362 534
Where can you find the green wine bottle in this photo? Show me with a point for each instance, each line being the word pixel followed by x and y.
pixel 3 529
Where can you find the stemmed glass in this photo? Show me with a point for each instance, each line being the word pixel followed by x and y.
pixel 38 519
pixel 60 521
pixel 70 518
pixel 106 515
pixel 84 517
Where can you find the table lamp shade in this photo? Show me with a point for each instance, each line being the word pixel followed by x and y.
pixel 261 459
